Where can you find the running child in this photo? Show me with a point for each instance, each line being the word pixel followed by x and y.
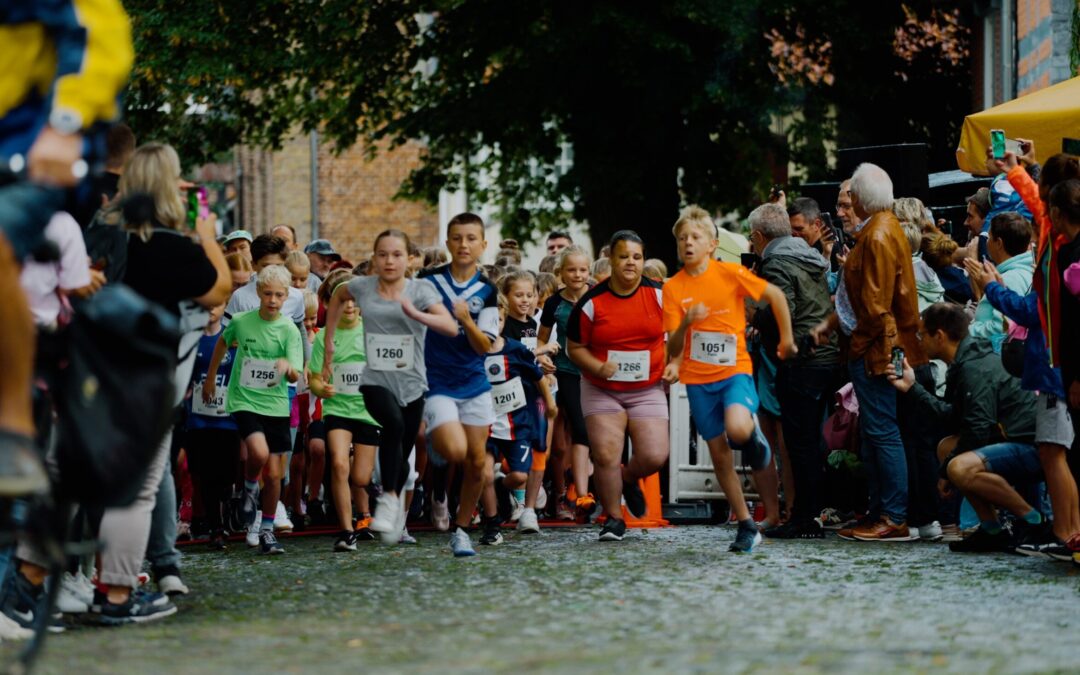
pixel 459 411
pixel 516 386
pixel 397 312
pixel 270 353
pixel 705 319
pixel 348 424
pixel 573 268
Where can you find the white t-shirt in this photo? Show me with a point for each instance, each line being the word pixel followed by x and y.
pixel 41 281
pixel 246 298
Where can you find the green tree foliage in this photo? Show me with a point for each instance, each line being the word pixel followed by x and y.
pixel 663 103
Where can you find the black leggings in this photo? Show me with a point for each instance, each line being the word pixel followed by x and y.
pixel 569 401
pixel 398 433
pixel 212 458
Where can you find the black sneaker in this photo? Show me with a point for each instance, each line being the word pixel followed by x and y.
pixel 22 601
pixel 492 535
pixel 614 530
pixel 804 529
pixel 141 607
pixel 246 508
pixel 346 541
pixel 635 499
pixel 745 540
pixel 268 543
pixel 755 451
pixel 217 541
pixel 981 541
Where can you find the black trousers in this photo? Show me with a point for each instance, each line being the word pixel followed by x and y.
pixel 920 439
pixel 804 392
pixel 398 433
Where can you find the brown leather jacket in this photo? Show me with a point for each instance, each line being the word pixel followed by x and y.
pixel 881 286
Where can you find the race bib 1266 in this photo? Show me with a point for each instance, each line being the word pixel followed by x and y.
pixel 630 366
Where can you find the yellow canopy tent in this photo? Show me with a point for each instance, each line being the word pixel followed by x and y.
pixel 1045 117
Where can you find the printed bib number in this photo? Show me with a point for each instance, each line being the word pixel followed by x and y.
pixel 718 349
pixel 215 408
pixel 347 377
pixel 259 374
pixel 389 352
pixel 630 366
pixel 508 396
pixel 529 342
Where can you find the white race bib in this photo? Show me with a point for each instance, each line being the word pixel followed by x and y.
pixel 347 377
pixel 389 352
pixel 302 384
pixel 630 366
pixel 259 374
pixel 508 396
pixel 216 406
pixel 529 342
pixel 718 349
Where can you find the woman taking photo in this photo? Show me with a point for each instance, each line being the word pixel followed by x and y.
pixel 615 336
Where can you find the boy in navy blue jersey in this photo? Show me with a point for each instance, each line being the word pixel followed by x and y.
pixel 458 410
pixel 516 385
pixel 213 442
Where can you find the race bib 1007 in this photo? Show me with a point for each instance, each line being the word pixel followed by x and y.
pixel 347 378
pixel 259 374
pixel 630 366
pixel 508 396
pixel 389 352
pixel 718 349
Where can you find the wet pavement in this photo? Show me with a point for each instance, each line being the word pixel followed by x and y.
pixel 668 600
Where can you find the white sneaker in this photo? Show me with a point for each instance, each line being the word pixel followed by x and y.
pixel 387 518
pixel 281 519
pixel 440 515
pixel 403 516
pixel 406 538
pixel 252 536
pixel 527 523
pixel 70 598
pixel 10 630
pixel 541 499
pixel 171 585
pixel 517 508
pixel 931 532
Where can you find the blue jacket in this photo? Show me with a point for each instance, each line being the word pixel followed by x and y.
pixel 1039 375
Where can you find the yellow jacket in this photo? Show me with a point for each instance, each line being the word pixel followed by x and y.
pixel 73 55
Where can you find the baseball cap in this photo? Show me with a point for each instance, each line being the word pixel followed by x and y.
pixel 237 234
pixel 981 200
pixel 322 247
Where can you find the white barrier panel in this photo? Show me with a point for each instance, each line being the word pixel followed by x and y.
pixel 690 468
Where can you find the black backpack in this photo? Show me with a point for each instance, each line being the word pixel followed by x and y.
pixel 115 395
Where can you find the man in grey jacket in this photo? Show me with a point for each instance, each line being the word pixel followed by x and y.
pixel 804 382
pixel 992 421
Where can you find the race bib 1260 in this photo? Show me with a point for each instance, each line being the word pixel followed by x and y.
pixel 259 374
pixel 718 349
pixel 630 366
pixel 347 378
pixel 389 352
pixel 508 396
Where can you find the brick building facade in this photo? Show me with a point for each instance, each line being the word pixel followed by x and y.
pixel 354 196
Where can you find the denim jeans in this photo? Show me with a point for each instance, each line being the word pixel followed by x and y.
pixel 161 548
pixel 882 450
pixel 803 392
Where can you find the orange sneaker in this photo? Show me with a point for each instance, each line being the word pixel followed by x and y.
pixel 883 530
pixel 584 507
pixel 363 529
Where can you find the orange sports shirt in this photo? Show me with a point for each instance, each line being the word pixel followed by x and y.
pixel 723 287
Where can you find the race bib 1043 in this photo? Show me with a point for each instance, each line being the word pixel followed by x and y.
pixel 630 366
pixel 389 352
pixel 347 378
pixel 215 408
pixel 718 349
pixel 508 396
pixel 259 374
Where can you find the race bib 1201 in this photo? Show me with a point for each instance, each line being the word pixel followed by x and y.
pixel 259 374
pixel 347 378
pixel 508 396
pixel 630 366
pixel 718 349
pixel 389 352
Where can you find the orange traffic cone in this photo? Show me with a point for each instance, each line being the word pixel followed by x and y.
pixel 654 509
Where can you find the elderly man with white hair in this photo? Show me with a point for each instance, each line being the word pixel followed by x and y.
pixel 877 308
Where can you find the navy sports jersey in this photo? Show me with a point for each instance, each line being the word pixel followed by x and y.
pixel 453 368
pixel 513 374
pixel 210 415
